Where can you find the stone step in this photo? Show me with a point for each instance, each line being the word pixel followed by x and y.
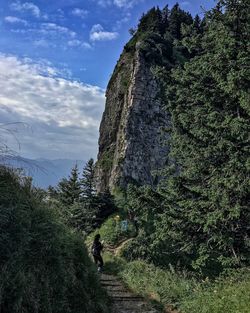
pixel 123 300
pixel 111 283
pixel 116 288
pixel 132 308
pixel 108 277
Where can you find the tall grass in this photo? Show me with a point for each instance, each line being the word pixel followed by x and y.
pixel 44 266
pixel 182 291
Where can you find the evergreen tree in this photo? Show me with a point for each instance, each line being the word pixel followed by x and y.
pixel 88 180
pixel 165 18
pixel 89 208
pixel 70 189
pixel 151 22
pixel 177 17
pixel 207 207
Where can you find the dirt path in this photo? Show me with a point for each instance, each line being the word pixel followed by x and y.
pixel 116 249
pixel 123 300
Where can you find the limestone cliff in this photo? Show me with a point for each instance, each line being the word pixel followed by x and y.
pixel 130 147
pixel 130 143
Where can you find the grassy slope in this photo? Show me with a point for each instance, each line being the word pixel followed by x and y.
pixel 44 266
pixel 230 294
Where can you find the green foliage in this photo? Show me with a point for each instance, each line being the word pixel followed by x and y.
pixel 88 180
pixel 230 294
pixel 69 190
pixel 207 201
pixel 180 290
pixel 151 22
pixel 177 17
pixel 199 217
pixel 158 35
pixel 77 201
pixel 167 287
pixel 111 231
pixel 44 267
pixel 106 161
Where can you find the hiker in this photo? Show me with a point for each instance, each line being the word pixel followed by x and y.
pixel 96 252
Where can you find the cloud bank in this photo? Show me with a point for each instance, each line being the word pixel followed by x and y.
pixel 63 115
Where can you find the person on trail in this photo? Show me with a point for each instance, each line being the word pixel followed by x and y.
pixel 96 249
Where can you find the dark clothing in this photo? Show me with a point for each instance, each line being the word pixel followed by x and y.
pixel 98 260
pixel 96 248
pixel 96 252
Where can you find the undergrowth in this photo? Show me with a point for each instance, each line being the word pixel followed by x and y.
pixel 181 290
pixel 44 265
pixel 112 232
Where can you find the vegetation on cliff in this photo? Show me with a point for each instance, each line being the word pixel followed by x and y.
pixel 198 218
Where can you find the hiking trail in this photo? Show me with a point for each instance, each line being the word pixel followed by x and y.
pixel 124 301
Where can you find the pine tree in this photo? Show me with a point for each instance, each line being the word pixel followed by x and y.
pixel 177 17
pixel 88 180
pixel 70 189
pixel 207 207
pixel 151 22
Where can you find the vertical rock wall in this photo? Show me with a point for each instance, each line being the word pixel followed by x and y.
pixel 130 142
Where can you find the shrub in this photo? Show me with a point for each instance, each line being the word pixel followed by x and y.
pixel 44 266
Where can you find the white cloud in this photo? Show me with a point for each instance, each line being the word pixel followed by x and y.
pixel 74 43
pixel 97 33
pixel 104 3
pixel 42 43
pixel 63 114
pixel 52 28
pixel 15 20
pixel 79 43
pixel 26 6
pixel 79 12
pixel 122 4
pixel 48 34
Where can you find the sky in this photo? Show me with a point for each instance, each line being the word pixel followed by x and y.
pixel 56 58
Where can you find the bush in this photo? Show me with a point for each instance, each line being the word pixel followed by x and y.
pixel 189 294
pixel 111 231
pixel 164 286
pixel 230 294
pixel 44 266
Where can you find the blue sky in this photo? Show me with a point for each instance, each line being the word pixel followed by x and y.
pixel 56 57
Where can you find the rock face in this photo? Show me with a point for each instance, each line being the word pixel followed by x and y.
pixel 130 142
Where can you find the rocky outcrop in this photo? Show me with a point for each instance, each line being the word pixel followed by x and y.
pixel 130 142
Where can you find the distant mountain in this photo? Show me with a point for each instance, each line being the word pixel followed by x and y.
pixel 46 172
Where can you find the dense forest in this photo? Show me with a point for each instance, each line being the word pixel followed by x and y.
pixel 191 230
pixel 199 214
